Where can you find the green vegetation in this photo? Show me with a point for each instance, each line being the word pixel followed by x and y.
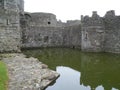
pixel 3 76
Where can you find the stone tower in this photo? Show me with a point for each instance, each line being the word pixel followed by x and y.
pixel 9 26
pixel 112 32
pixel 92 33
pixel 20 4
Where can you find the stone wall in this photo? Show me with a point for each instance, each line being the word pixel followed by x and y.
pixel 112 32
pixel 73 22
pixel 42 37
pixel 72 36
pixel 101 33
pixel 40 30
pixel 20 4
pixel 20 29
pixel 9 26
pixel 92 33
pixel 43 30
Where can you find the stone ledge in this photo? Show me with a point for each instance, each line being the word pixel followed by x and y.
pixel 28 73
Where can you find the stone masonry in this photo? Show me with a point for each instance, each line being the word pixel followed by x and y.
pixel 9 26
pixel 21 29
pixel 92 33
pixel 43 30
pixel 27 73
pixel 101 33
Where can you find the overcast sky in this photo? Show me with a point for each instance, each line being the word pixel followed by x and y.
pixel 72 9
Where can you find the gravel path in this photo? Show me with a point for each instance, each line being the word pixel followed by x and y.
pixel 28 73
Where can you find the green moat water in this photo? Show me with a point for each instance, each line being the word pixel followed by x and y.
pixel 80 71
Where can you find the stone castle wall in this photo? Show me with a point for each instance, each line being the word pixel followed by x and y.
pixel 20 29
pixel 20 4
pixel 112 32
pixel 92 33
pixel 9 26
pixel 101 33
pixel 43 30
pixel 72 36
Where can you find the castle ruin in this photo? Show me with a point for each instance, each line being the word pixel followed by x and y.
pixel 10 34
pixel 19 29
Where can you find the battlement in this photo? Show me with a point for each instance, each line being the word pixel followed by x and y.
pixel 111 21
pixel 101 33
pixel 95 20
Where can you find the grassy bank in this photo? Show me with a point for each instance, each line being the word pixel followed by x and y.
pixel 3 76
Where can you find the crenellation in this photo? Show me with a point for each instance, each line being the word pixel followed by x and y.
pixel 110 14
pixel 108 35
pixel 95 20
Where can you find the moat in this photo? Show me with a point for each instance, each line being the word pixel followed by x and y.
pixel 80 70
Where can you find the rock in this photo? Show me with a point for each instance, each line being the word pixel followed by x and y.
pixel 28 73
pixel 44 66
pixel 37 85
pixel 51 77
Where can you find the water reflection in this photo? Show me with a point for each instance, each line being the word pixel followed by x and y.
pixel 81 71
pixel 69 80
pixel 100 69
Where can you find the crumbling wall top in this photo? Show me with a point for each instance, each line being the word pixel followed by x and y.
pixel 73 22
pixel 20 4
pixel 110 13
pixel 111 21
pixel 94 20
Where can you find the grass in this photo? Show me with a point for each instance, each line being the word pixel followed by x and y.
pixel 3 76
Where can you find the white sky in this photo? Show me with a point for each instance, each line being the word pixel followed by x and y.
pixel 72 9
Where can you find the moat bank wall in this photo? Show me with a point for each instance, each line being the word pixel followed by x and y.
pixel 72 36
pixel 43 30
pixel 51 37
pixel 42 37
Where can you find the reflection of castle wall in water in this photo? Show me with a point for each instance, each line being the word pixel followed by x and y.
pixel 97 71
